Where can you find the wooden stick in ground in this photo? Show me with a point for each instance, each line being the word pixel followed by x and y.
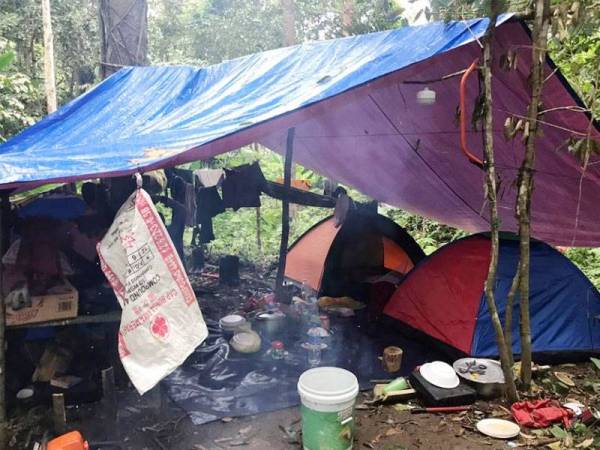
pixel 258 234
pixel 49 74
pixel 523 213
pixel 109 393
pixel 285 211
pixel 59 415
pixel 504 347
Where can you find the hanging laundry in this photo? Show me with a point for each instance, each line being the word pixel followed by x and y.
pixel 190 205
pixel 208 205
pixel 184 174
pixel 242 186
pixel 209 177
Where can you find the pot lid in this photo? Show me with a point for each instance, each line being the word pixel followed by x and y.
pixel 479 370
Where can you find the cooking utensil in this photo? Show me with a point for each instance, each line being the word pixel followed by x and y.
pixel 489 383
pixel 438 409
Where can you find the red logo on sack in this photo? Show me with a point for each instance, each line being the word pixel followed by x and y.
pixel 160 327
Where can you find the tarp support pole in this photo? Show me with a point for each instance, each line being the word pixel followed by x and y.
pixel 285 211
pixel 4 215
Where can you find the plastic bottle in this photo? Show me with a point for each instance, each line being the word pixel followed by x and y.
pixel 305 290
pixel 314 351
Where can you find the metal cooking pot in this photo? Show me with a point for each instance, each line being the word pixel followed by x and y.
pixel 271 325
pixel 485 375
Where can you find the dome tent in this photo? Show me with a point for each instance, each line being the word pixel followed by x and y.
pixel 444 299
pixel 327 255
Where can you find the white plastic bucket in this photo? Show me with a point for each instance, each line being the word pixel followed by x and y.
pixel 328 395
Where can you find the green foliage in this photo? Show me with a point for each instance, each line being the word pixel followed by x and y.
pixel 5 59
pixel 18 103
pixel 76 51
pixel 211 31
pixel 429 234
pixel 577 55
pixel 19 99
pixel 588 260
pixel 468 9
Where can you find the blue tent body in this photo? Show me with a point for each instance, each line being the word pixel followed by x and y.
pixel 564 305
pixel 446 300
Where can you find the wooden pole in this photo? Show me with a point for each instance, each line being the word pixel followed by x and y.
pixel 504 344
pixel 59 414
pixel 258 234
pixel 285 211
pixel 258 215
pixel 49 75
pixel 4 211
pixel 347 16
pixel 289 39
pixel 525 187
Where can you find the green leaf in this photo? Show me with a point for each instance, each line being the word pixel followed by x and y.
pixel 596 362
pixel 558 432
pixel 6 59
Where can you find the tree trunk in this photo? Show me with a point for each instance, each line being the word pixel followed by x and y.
pixel 540 41
pixel 347 16
pixel 504 346
pixel 289 22
pixel 285 213
pixel 49 75
pixel 124 27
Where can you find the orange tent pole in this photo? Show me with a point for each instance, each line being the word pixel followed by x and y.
pixel 463 117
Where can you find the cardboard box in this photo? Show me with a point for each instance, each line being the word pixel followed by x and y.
pixel 63 303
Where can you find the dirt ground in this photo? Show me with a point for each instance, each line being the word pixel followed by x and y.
pixel 150 425
pixel 154 422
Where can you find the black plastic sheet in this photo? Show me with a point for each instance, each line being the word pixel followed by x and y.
pixel 216 381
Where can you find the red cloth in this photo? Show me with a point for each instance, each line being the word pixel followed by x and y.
pixel 540 413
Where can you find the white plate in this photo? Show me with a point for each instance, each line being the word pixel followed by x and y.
pixel 498 428
pixel 440 374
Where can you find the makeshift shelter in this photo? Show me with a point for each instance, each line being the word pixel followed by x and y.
pixel 353 104
pixel 443 297
pixel 346 108
pixel 368 243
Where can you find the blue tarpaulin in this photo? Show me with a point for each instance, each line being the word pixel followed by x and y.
pixel 142 115
pixel 352 101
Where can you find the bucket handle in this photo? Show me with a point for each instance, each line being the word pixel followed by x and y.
pixel 347 420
